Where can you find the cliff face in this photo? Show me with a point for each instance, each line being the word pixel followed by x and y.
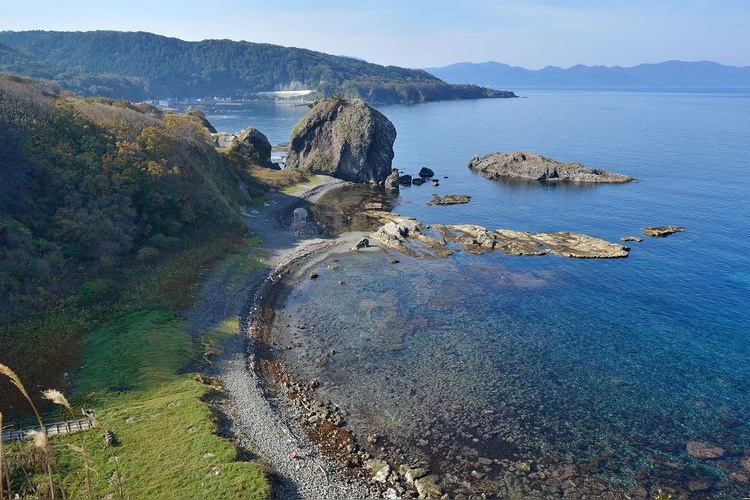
pixel 343 138
pixel 532 166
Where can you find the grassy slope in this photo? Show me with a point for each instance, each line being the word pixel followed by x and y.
pixel 167 448
pixel 167 432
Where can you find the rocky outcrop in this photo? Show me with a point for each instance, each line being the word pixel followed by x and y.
pixel 425 172
pixel 252 146
pixel 302 226
pixel 391 182
pixel 531 166
pixel 222 140
pixel 449 199
pixel 343 138
pixel 661 231
pixel 413 238
pixel 404 180
pixel 199 116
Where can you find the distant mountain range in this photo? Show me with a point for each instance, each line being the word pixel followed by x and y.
pixel 669 74
pixel 140 66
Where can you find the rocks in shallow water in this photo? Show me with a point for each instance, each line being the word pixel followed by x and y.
pixel 404 180
pixel 700 449
pixel 532 166
pixel 412 238
pixel 637 239
pixel 661 231
pixel 449 199
pixel 426 172
pixel 391 182
pixel 411 474
pixel 418 181
pixel 698 486
pixel 746 463
pixel 427 487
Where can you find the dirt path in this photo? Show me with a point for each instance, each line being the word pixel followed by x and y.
pixel 259 421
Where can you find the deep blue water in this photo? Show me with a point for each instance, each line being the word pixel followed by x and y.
pixel 612 366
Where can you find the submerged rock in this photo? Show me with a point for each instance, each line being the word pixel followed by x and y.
pixel 427 487
pixel 343 138
pixel 699 449
pixel 661 231
pixel 418 181
pixel 532 166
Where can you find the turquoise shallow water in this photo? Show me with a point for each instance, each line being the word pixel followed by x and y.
pixel 611 366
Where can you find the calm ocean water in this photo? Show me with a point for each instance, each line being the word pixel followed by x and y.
pixel 607 366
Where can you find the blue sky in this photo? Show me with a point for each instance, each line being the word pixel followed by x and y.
pixel 422 33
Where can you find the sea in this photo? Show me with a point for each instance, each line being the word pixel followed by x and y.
pixel 549 376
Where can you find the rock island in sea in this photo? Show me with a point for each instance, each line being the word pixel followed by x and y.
pixel 534 167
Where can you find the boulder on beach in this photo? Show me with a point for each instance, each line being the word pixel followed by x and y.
pixel 343 138
pixel 253 146
pixel 530 166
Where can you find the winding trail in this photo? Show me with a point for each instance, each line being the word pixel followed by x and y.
pixel 259 421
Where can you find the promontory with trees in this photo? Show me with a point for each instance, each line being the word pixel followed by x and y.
pixel 140 66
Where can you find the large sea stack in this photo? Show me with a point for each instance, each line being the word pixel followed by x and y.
pixel 532 166
pixel 343 138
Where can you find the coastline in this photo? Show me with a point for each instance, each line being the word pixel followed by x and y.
pixel 267 424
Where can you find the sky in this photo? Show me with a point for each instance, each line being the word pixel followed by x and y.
pixel 422 33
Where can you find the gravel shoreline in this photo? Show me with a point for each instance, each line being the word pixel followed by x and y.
pixel 258 420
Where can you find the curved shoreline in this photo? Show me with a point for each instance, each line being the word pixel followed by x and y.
pixel 259 420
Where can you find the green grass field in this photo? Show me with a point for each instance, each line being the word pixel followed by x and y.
pixel 133 375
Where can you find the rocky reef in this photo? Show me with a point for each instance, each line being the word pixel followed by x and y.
pixel 449 199
pixel 343 138
pixel 662 231
pixel 413 238
pixel 530 166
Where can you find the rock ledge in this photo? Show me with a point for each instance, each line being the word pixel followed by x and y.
pixel 531 166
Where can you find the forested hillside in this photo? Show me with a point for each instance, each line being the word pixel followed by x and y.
pixel 91 183
pixel 141 65
pixel 96 195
